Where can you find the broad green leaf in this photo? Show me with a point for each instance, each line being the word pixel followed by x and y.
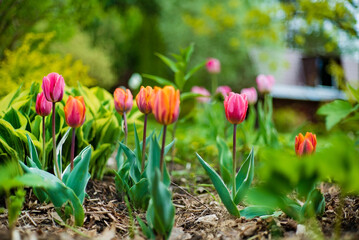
pixel 171 64
pixel 15 204
pixel 121 179
pixel 33 153
pixel 159 80
pixel 134 168
pixel 139 194
pixel 59 194
pixel 225 162
pixel 6 102
pixel 335 111
pixel 11 140
pixel 221 188
pixel 15 118
pixel 145 229
pixel 244 177
pixel 354 91
pixel 257 211
pixel 314 204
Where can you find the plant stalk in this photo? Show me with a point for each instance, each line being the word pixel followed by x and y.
pixel 214 84
pixel 173 149
pixel 234 159
pixel 125 127
pixel 54 141
pixel 144 144
pixel 73 148
pixel 43 144
pixel 163 148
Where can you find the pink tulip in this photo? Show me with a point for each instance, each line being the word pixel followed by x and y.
pixel 202 91
pixel 235 107
pixel 251 94
pixel 213 66
pixel 265 83
pixel 53 86
pixel 123 100
pixel 43 107
pixel 224 90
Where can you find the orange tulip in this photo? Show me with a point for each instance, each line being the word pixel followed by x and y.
pixel 143 99
pixel 165 104
pixel 305 144
pixel 123 100
pixel 75 111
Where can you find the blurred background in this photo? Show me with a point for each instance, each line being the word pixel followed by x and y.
pixel 104 42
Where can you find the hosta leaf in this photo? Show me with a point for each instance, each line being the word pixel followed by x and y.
pixel 221 188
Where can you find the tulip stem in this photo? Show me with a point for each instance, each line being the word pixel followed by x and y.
pixel 234 160
pixel 125 127
pixel 73 148
pixel 214 84
pixel 144 144
pixel 54 141
pixel 43 144
pixel 163 148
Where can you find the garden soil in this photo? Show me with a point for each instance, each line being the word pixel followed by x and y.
pixel 198 216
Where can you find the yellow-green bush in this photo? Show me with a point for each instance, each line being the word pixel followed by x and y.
pixel 31 62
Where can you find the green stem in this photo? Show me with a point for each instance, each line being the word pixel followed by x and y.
pixel 174 145
pixel 214 84
pixel 144 144
pixel 73 148
pixel 43 144
pixel 163 148
pixel 54 140
pixel 234 160
pixel 125 127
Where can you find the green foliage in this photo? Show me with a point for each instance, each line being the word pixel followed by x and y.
pixel 15 68
pixel 243 180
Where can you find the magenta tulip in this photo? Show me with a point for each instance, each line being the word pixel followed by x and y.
pixel 235 106
pixel 265 83
pixel 200 90
pixel 43 107
pixel 53 86
pixel 251 94
pixel 223 90
pixel 213 66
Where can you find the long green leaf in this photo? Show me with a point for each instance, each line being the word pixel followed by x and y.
pixel 221 188
pixel 194 70
pixel 225 162
pixel 159 80
pixel 33 153
pixel 171 64
pixel 134 168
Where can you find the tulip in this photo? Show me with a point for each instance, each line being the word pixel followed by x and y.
pixel 251 94
pixel 123 100
pixel 53 86
pixel 75 110
pixel 144 104
pixel 235 107
pixel 165 107
pixel 265 83
pixel 200 90
pixel 213 66
pixel 43 108
pixel 305 145
pixel 223 90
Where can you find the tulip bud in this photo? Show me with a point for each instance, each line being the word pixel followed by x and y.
pixel 53 86
pixel 144 98
pixel 265 83
pixel 75 110
pixel 251 94
pixel 165 105
pixel 235 106
pixel 305 144
pixel 224 90
pixel 213 66
pixel 43 107
pixel 202 91
pixel 123 100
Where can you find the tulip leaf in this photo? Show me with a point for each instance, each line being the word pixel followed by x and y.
pixel 160 211
pixel 145 229
pixel 258 211
pixel 138 148
pixel 139 194
pixel 134 168
pixel 335 111
pixel 171 64
pixel 78 178
pixel 244 177
pixel 194 70
pixel 159 80
pixel 225 162
pixel 121 179
pixel 33 153
pixel 314 204
pixel 189 95
pixel 59 151
pixel 221 188
pixel 59 194
pixel 120 160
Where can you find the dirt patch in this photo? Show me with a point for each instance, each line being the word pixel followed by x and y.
pixel 198 216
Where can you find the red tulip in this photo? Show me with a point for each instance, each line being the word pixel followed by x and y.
pixel 235 106
pixel 53 86
pixel 43 107
pixel 165 105
pixel 75 111
pixel 144 98
pixel 123 100
pixel 305 144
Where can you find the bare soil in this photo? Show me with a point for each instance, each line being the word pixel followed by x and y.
pixel 198 216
